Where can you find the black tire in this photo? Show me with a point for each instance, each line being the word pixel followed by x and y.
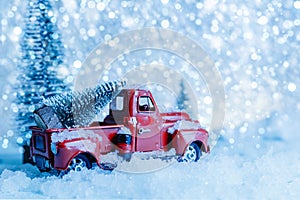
pixel 191 154
pixel 44 170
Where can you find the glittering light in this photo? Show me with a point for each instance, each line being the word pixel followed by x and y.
pixel 55 36
pixel 275 30
pixel 261 131
pixel 77 64
pixel 21 150
pixel 215 27
pixel 105 78
pixel 243 129
pixel 177 6
pixel 164 1
pixel 107 37
pixel 111 15
pixel 4 22
pixel 101 6
pixel 70 79
pixel 5 143
pixel 148 52
pixel 254 56
pixel 53 19
pixel 4 146
pixel 287 24
pixel 199 5
pixel 66 18
pixel 10 14
pixel 165 23
pixel 297 5
pixel 50 13
pixel 14 108
pixel 101 28
pixel 124 4
pixel 17 30
pixel 292 87
pixel 91 32
pixel 20 140
pixel 254 85
pixel 10 133
pixel 263 20
pixel 198 22
pixel 248 35
pixel 207 100
pixel 4 97
pixel 31 108
pixel 286 64
pixel 91 4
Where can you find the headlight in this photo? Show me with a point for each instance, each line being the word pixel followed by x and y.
pixel 54 148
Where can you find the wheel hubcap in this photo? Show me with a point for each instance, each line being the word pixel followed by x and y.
pixel 190 154
pixel 77 164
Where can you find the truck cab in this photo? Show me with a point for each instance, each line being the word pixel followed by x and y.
pixel 141 116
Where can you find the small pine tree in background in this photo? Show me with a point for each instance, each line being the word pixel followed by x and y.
pixel 42 55
pixel 182 100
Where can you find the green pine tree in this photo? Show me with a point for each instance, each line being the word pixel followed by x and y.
pixel 42 55
pixel 79 108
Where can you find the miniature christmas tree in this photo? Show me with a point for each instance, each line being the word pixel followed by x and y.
pixel 74 109
pixel 42 54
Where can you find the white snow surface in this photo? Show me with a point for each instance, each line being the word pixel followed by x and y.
pixel 184 125
pixel 69 135
pixel 224 174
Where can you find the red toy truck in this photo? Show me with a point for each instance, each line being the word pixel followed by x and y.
pixel 134 124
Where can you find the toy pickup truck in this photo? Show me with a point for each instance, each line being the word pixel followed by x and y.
pixel 134 124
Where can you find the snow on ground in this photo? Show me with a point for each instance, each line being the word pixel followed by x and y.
pixel 274 173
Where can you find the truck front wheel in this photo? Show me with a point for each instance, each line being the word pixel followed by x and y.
pixel 191 154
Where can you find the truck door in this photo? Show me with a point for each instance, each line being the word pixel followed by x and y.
pixel 148 125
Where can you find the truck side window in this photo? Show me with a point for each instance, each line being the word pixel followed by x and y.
pixel 118 103
pixel 145 104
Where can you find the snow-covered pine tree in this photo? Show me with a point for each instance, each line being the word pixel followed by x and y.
pixel 76 108
pixel 182 100
pixel 42 54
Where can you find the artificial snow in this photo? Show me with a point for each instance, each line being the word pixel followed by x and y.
pixel 69 135
pixel 221 175
pixel 184 125
pixel 141 162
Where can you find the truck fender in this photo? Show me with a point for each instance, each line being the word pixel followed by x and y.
pixel 63 160
pixel 200 144
pixel 182 141
pixel 88 155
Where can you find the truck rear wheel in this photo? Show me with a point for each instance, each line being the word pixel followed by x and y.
pixel 191 154
pixel 78 163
